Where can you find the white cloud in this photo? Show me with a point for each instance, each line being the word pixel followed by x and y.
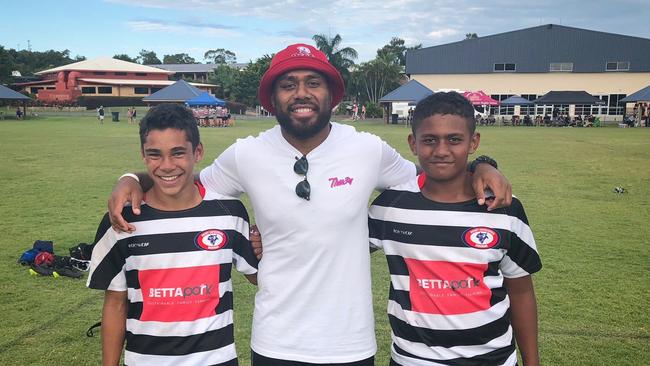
pixel 147 26
pixel 442 33
pixel 181 28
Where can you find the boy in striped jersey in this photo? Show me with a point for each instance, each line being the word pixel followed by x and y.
pixel 167 285
pixel 461 290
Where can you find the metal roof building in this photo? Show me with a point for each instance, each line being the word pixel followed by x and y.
pixel 533 50
pixel 534 61
pixel 199 72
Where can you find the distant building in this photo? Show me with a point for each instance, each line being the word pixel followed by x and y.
pixel 198 72
pixel 533 61
pixel 106 77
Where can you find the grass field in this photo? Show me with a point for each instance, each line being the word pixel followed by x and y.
pixel 57 172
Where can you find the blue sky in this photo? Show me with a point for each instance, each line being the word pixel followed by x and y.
pixel 251 29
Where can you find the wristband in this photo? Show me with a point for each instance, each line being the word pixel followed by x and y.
pixel 481 159
pixel 129 175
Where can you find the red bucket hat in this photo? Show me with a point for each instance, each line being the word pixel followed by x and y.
pixel 295 57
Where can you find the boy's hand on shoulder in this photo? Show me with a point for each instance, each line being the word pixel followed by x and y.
pixel 256 241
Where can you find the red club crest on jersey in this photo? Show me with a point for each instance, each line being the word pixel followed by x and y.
pixel 481 237
pixel 211 239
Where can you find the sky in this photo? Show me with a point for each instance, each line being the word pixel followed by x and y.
pixel 251 29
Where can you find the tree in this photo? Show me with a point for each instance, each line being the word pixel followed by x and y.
pixel 245 87
pixel 397 48
pixel 376 78
pixel 471 36
pixel 226 78
pixel 28 62
pixel 125 57
pixel 341 58
pixel 178 58
pixel 6 65
pixel 149 58
pixel 220 56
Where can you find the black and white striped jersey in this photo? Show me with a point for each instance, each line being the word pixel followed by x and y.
pixel 447 261
pixel 176 270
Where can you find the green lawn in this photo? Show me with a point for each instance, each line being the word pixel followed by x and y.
pixel 57 172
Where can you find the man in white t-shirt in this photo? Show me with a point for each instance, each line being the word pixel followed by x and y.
pixel 309 181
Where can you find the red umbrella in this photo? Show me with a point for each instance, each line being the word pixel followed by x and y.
pixel 480 98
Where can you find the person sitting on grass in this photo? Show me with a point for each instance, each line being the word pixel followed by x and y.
pixel 167 285
pixel 461 289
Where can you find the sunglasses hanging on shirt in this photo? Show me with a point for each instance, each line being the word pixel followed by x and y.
pixel 303 189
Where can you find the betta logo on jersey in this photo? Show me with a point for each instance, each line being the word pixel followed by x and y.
pixel 179 294
pixel 481 238
pixel 447 288
pixel 212 239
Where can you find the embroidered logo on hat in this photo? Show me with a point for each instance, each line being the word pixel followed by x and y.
pixel 303 51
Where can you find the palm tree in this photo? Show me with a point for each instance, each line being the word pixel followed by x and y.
pixel 377 77
pixel 341 58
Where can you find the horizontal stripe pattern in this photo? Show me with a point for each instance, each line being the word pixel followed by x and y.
pixel 180 329
pixel 440 353
pixel 508 357
pixel 163 247
pixel 429 238
pixel 224 356
pixel 449 322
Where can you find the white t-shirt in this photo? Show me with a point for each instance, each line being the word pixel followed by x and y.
pixel 314 302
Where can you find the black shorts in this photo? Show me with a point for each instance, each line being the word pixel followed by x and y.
pixel 259 360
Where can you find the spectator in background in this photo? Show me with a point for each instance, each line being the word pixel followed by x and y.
pixel 100 114
pixel 527 121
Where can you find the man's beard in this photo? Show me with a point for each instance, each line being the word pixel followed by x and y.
pixel 302 131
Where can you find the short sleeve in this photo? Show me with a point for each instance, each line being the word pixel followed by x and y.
pixel 222 176
pixel 107 262
pixel 393 169
pixel 521 258
pixel 376 224
pixel 244 258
